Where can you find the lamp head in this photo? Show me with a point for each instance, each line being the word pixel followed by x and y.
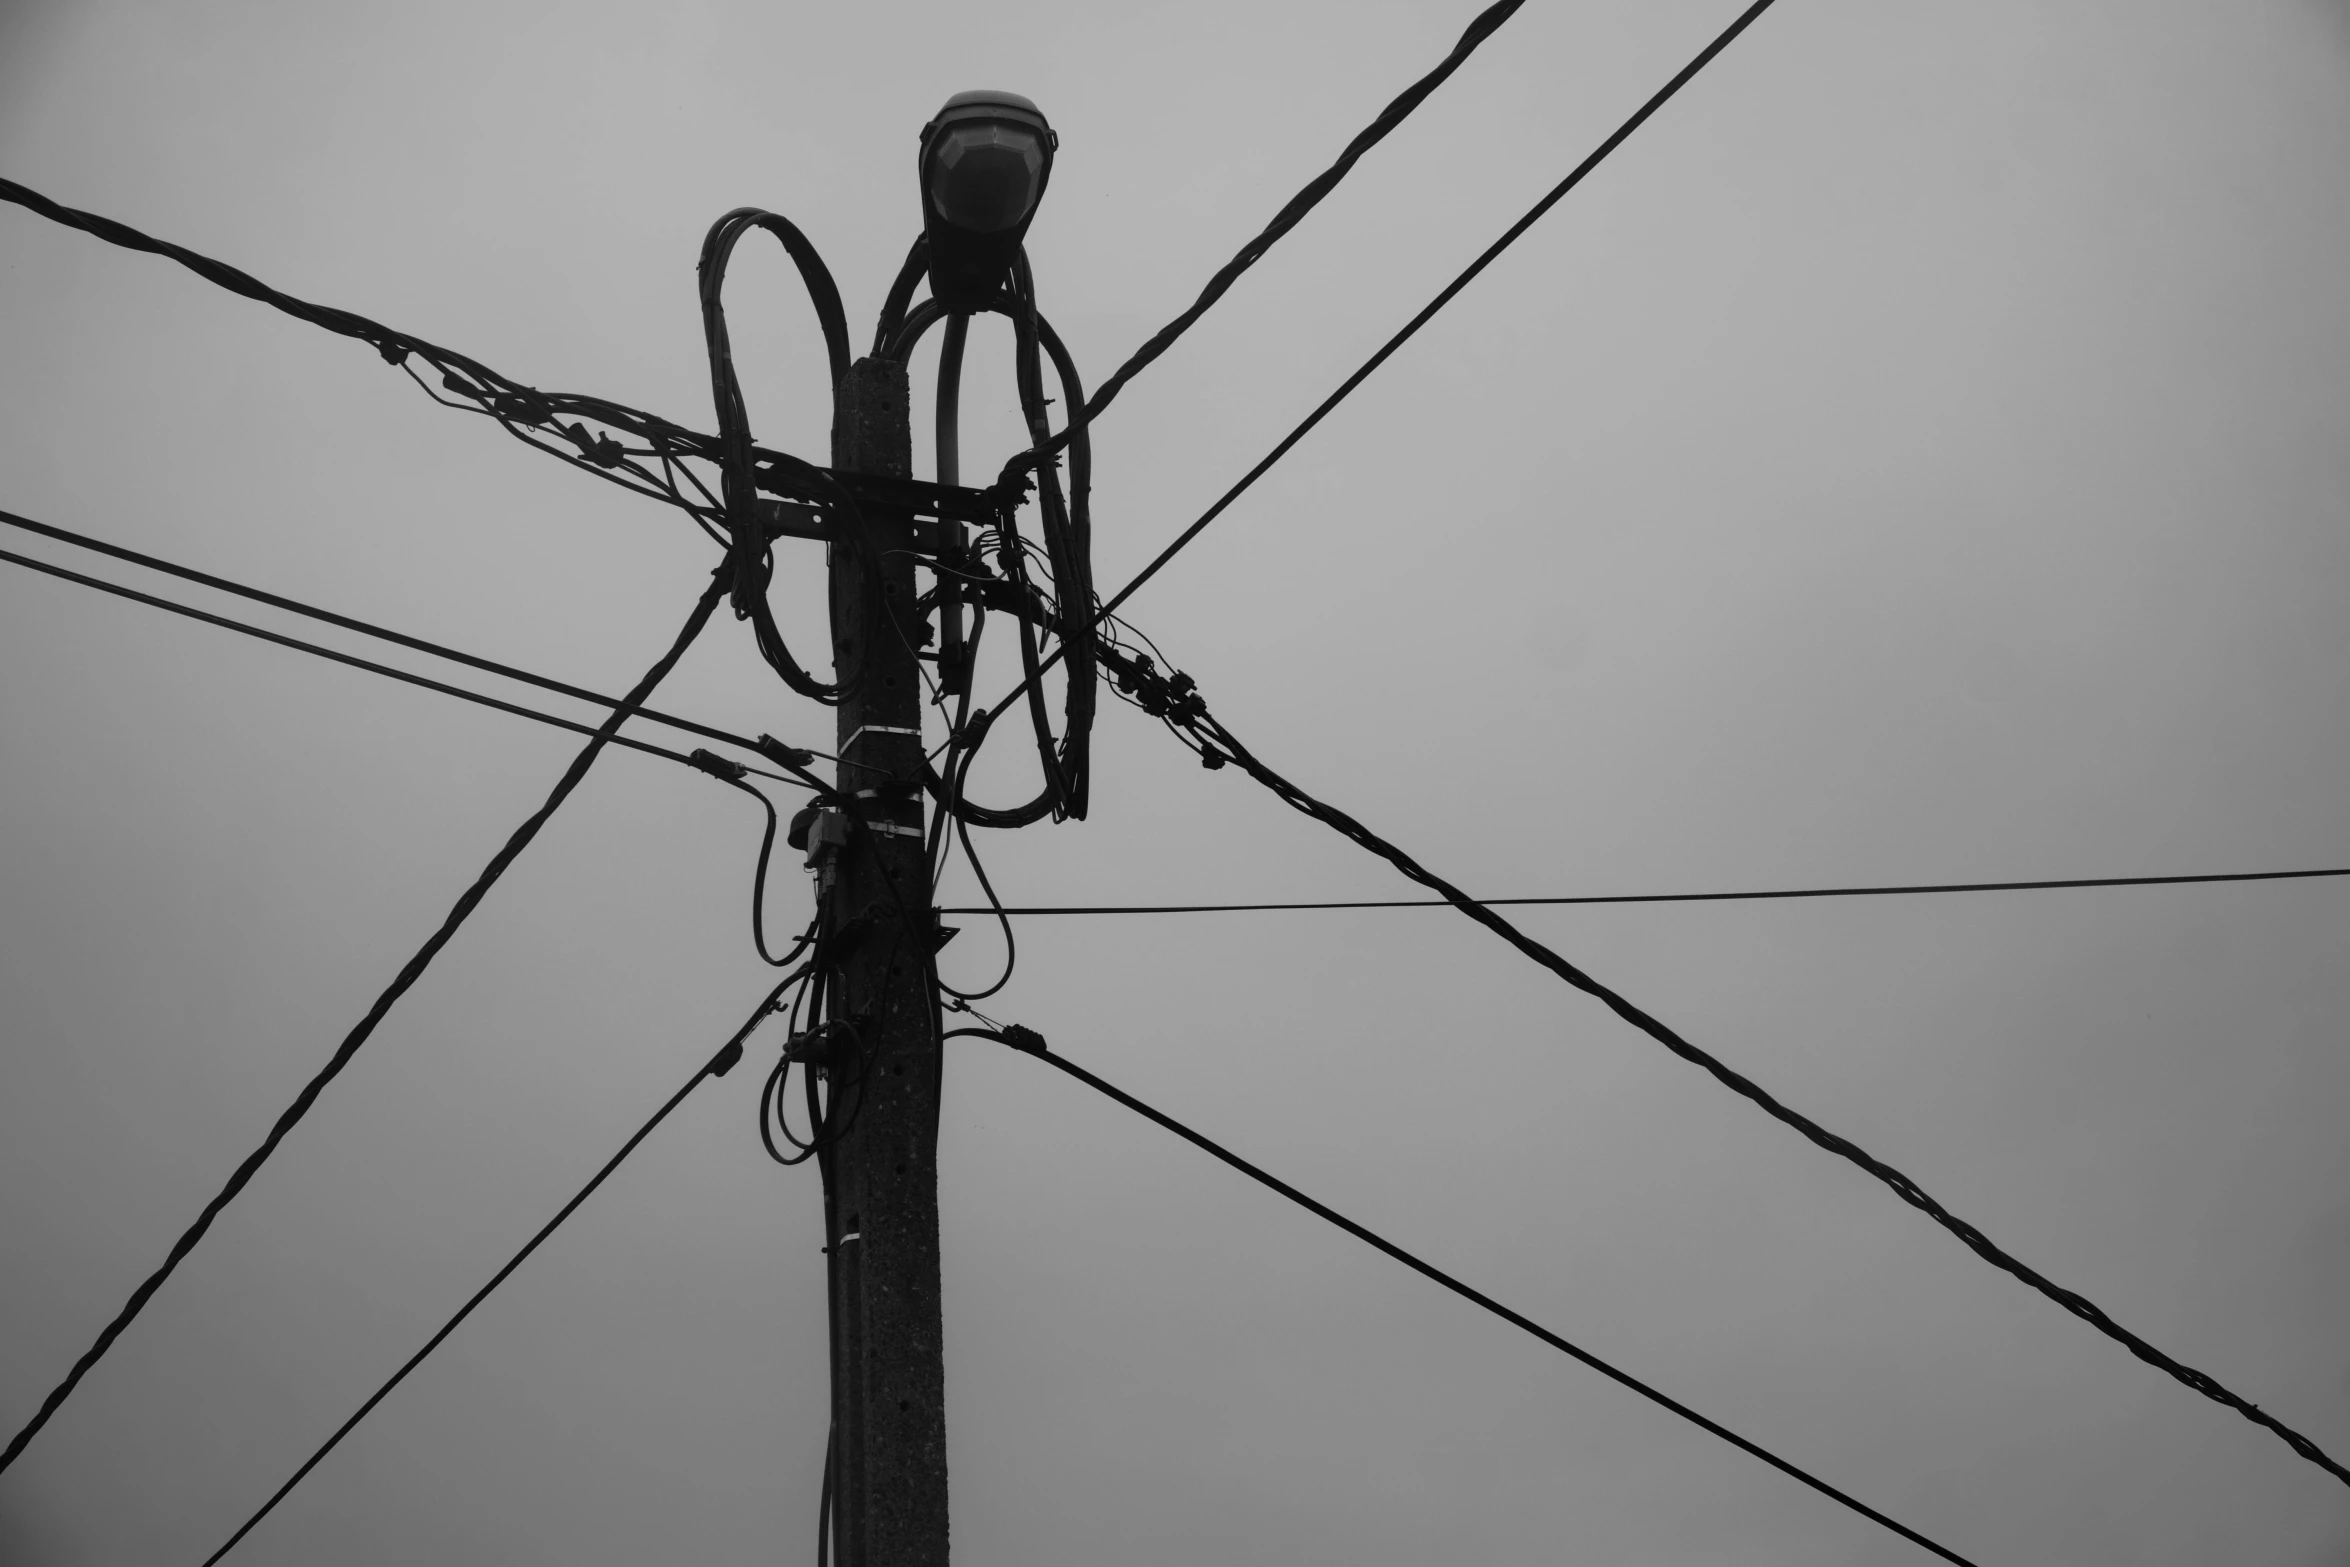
pixel 985 159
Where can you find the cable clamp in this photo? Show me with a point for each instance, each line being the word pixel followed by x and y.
pixel 1020 1037
pixel 785 756
pixel 718 766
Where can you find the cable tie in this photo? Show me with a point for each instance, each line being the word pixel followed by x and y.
pixel 853 1235
pixel 784 755
pixel 718 766
pixel 862 730
pixel 1021 1037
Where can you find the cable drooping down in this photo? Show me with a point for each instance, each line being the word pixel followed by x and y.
pixel 409 973
pixel 1028 1042
pixel 964 577
pixel 1174 699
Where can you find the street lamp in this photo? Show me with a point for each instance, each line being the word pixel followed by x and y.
pixel 985 159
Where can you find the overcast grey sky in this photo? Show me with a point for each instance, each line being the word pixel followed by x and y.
pixel 1922 453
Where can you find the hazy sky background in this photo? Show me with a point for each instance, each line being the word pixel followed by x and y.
pixel 1922 453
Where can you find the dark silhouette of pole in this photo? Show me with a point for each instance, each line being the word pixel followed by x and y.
pixel 889 1469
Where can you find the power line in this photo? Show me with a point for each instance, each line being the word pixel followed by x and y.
pixel 364 628
pixel 1176 701
pixel 717 1066
pixel 1028 1042
pixel 1667 897
pixel 408 975
pixel 355 662
pixel 534 417
pixel 1411 327
pixel 1484 26
pixel 1444 298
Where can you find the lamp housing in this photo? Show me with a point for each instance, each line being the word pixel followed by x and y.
pixel 986 157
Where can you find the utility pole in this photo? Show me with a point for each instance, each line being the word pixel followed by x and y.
pixel 889 1455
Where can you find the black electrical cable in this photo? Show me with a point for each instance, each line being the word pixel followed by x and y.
pixel 407 977
pixel 364 628
pixel 1068 530
pixel 759 884
pixel 1176 701
pixel 1028 1042
pixel 1671 897
pixel 737 454
pixel 1508 238
pixel 1011 945
pixel 531 416
pixel 1487 23
pixel 717 1066
pixel 427 683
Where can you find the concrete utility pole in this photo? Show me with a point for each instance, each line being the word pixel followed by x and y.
pixel 888 1374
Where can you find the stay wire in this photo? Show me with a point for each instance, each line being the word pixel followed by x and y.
pixel 1484 26
pixel 1411 327
pixel 400 985
pixel 365 628
pixel 1886 891
pixel 717 1066
pixel 1027 1042
pixel 1177 702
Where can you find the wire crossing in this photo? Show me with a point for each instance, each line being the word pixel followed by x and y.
pixel 1175 700
pixel 407 977
pixel 1029 1042
pixel 1886 891
pixel 1509 237
pixel 717 1066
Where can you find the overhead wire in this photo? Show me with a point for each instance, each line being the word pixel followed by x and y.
pixel 1883 891
pixel 426 682
pixel 717 1066
pixel 1658 100
pixel 1293 212
pixel 534 417
pixel 366 628
pixel 1028 1042
pixel 408 975
pixel 1410 328
pixel 1176 701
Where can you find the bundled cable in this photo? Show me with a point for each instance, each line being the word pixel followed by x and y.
pixel 747 541
pixel 646 456
pixel 1065 613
